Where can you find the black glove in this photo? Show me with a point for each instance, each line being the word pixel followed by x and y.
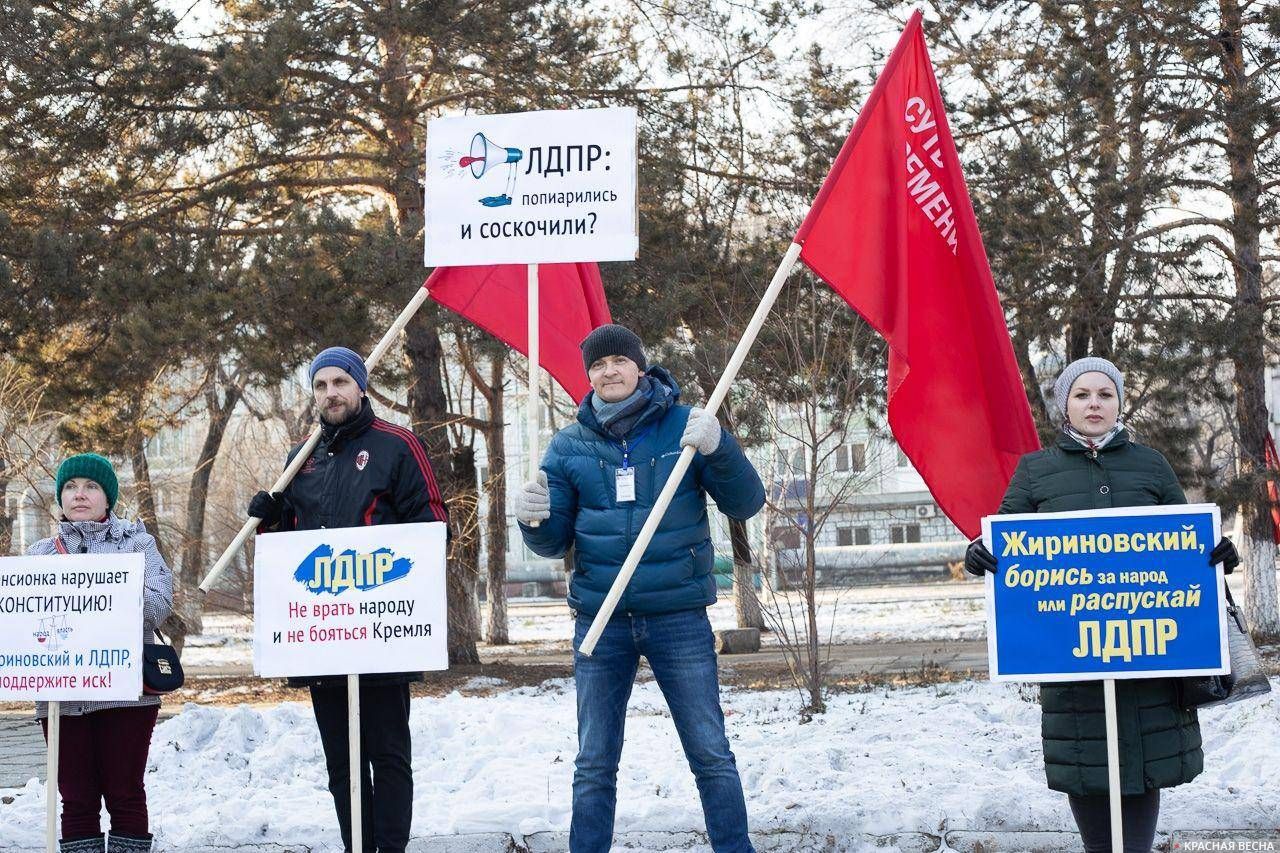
pixel 267 506
pixel 1225 552
pixel 977 559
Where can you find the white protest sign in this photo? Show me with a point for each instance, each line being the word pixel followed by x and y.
pixel 350 600
pixel 71 627
pixel 526 188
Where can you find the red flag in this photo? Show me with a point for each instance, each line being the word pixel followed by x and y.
pixel 1273 492
pixel 893 231
pixel 496 298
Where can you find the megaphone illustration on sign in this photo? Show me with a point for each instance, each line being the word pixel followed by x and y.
pixel 485 157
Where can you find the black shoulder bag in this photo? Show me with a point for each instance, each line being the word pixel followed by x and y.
pixel 161 669
pixel 1246 679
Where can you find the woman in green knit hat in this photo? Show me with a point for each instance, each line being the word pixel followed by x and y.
pixel 104 744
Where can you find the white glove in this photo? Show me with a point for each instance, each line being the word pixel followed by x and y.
pixel 533 501
pixel 702 431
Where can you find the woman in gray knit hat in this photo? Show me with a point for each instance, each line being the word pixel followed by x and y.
pixel 104 745
pixel 1096 464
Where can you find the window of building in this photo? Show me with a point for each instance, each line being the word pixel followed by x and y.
pixel 851 457
pixel 900 533
pixel 797 461
pixel 853 536
pixel 903 461
pixel 786 538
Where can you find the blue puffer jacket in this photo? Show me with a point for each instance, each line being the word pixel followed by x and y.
pixel 676 571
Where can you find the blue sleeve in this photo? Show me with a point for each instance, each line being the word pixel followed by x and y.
pixel 731 480
pixel 552 537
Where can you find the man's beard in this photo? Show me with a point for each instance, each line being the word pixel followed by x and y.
pixel 347 414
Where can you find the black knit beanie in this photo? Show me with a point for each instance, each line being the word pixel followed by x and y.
pixel 612 339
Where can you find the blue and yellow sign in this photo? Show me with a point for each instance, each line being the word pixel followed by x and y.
pixel 323 571
pixel 1118 593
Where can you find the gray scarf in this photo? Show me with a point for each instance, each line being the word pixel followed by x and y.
pixel 618 418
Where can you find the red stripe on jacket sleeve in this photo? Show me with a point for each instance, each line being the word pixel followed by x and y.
pixel 420 456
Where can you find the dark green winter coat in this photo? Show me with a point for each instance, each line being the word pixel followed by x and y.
pixel 1159 741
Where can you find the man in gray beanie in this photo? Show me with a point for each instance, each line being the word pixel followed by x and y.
pixel 599 481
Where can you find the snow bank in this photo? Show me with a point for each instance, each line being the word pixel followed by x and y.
pixel 954 756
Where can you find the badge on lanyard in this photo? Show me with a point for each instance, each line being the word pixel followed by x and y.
pixel 625 483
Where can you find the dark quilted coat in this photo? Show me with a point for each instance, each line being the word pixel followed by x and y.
pixel 1159 741
pixel 364 472
pixel 676 570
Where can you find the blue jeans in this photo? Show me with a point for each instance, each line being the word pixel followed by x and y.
pixel 681 652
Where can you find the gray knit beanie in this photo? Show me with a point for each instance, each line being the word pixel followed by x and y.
pixel 1079 367
pixel 612 339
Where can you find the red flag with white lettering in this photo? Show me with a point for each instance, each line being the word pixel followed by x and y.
pixel 893 231
pixel 496 298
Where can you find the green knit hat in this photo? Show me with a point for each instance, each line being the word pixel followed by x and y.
pixel 92 467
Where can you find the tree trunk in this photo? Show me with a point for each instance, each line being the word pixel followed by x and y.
pixel 6 520
pixel 176 626
pixel 1045 426
pixel 193 550
pixel 768 571
pixel 145 493
pixel 1248 353
pixel 464 614
pixel 496 488
pixel 745 602
pixel 428 408
pixel 187 614
pixel 816 703
pixel 430 413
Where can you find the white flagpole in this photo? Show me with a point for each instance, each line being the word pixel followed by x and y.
pixel 531 414
pixel 305 452
pixel 355 770
pixel 686 455
pixel 1113 764
pixel 51 778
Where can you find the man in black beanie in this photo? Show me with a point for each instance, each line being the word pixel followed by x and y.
pixel 598 483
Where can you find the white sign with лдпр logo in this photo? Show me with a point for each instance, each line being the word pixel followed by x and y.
pixel 350 600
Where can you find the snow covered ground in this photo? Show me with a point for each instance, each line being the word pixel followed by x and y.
pixel 947 611
pixel 953 756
